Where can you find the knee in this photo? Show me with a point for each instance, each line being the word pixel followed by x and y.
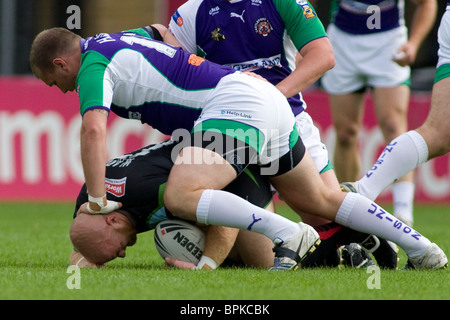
pixel 392 129
pixel 347 135
pixel 173 199
pixel 181 202
pixel 437 139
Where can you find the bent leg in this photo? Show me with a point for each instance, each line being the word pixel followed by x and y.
pixel 348 209
pixel 435 131
pixel 193 193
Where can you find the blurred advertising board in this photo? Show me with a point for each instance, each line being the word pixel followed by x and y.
pixel 40 148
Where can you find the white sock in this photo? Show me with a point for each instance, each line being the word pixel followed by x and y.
pixel 402 155
pixel 222 208
pixel 403 196
pixel 362 214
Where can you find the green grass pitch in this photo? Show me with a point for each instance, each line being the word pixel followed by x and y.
pixel 35 247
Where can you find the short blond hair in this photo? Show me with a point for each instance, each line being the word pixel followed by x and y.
pixel 50 44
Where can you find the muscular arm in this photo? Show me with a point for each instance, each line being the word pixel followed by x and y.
pixel 219 241
pixel 317 58
pixel 167 36
pixel 93 150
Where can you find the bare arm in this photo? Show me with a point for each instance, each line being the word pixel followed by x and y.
pixel 316 58
pixel 94 157
pixel 167 36
pixel 93 150
pixel 422 22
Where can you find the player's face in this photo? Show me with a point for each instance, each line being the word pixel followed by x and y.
pixel 116 243
pixel 60 79
pixel 62 76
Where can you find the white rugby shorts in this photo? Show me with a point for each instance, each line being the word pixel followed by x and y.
pixel 365 60
pixel 241 102
pixel 444 39
pixel 310 135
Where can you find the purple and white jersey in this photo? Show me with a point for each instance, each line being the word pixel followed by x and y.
pixel 367 16
pixel 147 80
pixel 262 36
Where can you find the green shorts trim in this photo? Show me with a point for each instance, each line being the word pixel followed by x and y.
pixel 238 130
pixel 442 72
pixel 329 166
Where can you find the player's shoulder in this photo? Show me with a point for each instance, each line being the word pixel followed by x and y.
pixel 190 8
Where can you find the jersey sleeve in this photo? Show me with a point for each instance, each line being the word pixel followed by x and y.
pixel 182 25
pixel 147 32
pixel 301 21
pixel 94 84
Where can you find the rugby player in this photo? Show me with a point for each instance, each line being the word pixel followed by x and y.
pixel 138 180
pixel 373 50
pixel 234 120
pixel 430 140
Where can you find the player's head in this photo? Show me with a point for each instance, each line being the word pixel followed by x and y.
pixel 55 57
pixel 102 238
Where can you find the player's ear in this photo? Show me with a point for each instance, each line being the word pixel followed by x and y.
pixel 59 63
pixel 114 219
pixel 111 219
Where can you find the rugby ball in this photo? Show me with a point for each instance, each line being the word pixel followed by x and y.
pixel 179 239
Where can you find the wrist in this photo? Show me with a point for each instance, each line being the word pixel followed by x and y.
pixel 97 203
pixel 206 263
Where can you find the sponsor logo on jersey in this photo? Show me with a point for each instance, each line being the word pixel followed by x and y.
pixel 134 115
pixel 256 3
pixel 195 60
pixel 177 18
pixel 237 15
pixel 214 11
pixel 216 35
pixel 308 13
pixel 263 27
pixel 257 63
pixel 235 113
pixel 116 187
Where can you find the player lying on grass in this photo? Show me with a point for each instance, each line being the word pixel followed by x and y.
pixel 138 180
pixel 248 119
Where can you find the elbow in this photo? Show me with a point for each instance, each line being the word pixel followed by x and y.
pixel 91 131
pixel 329 61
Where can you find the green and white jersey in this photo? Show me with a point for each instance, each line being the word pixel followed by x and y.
pixel 143 79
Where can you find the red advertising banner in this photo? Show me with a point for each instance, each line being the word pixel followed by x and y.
pixel 40 148
pixel 40 144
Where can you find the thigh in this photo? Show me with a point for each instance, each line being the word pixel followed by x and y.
pixel 195 170
pixel 435 131
pixel 304 191
pixel 347 111
pixel 391 109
